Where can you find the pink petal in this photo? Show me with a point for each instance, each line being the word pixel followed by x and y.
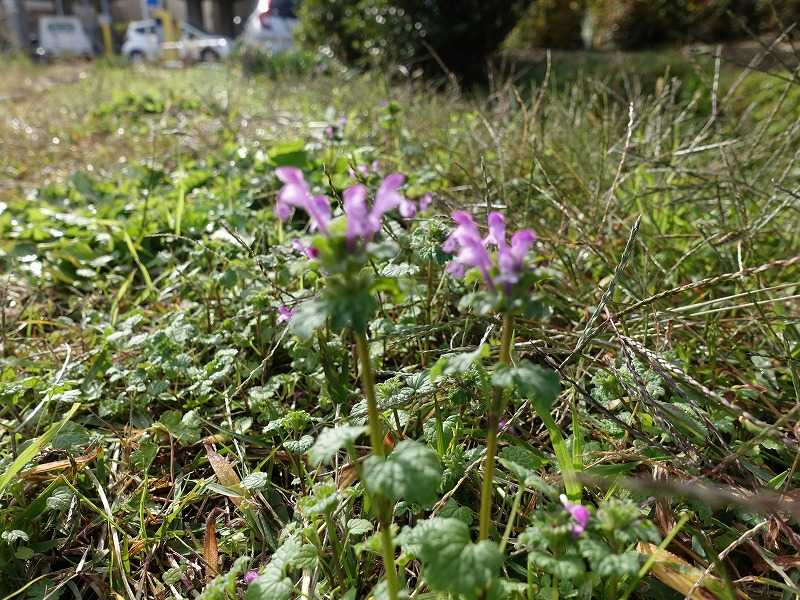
pixel 290 175
pixel 497 230
pixel 250 576
pixel 355 207
pixel 425 202
pixel 407 209
pixel 284 314
pixel 521 242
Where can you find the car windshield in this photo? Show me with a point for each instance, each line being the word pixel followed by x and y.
pixel 191 30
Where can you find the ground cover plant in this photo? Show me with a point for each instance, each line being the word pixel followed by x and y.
pixel 340 337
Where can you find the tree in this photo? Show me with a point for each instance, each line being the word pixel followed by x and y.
pixel 453 36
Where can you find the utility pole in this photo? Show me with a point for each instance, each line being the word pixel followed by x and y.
pixel 20 19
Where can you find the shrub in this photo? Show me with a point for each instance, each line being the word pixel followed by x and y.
pixel 454 35
pixel 257 61
pixel 549 24
pixel 632 24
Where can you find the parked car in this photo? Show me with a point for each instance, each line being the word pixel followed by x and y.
pixel 144 40
pixel 271 25
pixel 61 36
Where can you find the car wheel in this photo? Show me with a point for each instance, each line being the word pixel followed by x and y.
pixel 209 55
pixel 136 57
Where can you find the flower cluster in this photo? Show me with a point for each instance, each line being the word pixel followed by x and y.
pixel 363 221
pixel 472 250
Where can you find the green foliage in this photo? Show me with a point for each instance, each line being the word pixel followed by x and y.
pixel 286 63
pixel 411 472
pixel 330 441
pixel 549 24
pixel 643 23
pixel 456 36
pixel 223 586
pixel 451 562
pixel 164 345
pixel 599 560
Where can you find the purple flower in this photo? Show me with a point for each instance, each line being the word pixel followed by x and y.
pixel 466 240
pixel 362 222
pixel 502 424
pixel 473 251
pixel 329 133
pixel 580 516
pixel 425 202
pixel 301 247
pixel 296 193
pixel 284 314
pixel 250 576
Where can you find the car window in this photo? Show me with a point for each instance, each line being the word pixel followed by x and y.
pixel 61 27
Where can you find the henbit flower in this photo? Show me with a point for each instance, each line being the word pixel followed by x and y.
pixel 301 247
pixel 363 222
pixel 284 314
pixel 510 259
pixel 473 250
pixel 296 193
pixel 250 576
pixel 425 202
pixel 466 240
pixel 580 516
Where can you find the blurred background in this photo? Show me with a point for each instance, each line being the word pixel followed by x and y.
pixel 463 40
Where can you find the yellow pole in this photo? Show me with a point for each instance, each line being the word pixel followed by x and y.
pixel 169 33
pixel 105 28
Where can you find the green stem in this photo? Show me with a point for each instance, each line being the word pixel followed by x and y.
pixel 491 433
pixel 338 552
pixel 376 438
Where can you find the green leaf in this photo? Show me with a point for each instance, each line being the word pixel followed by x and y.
pixel 173 575
pixel 300 446
pixel 224 586
pixel 14 535
pixel 309 316
pixel 412 472
pixel 456 364
pixel 323 501
pixel 270 585
pixel 289 154
pixel 60 499
pixel 185 428
pixel 33 448
pixel 539 384
pixel 451 562
pixel 330 441
pixel 618 565
pixel 143 456
pixel 72 435
pixel 359 526
pixel 256 481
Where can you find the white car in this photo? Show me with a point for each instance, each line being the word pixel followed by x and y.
pixel 62 36
pixel 271 25
pixel 144 41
